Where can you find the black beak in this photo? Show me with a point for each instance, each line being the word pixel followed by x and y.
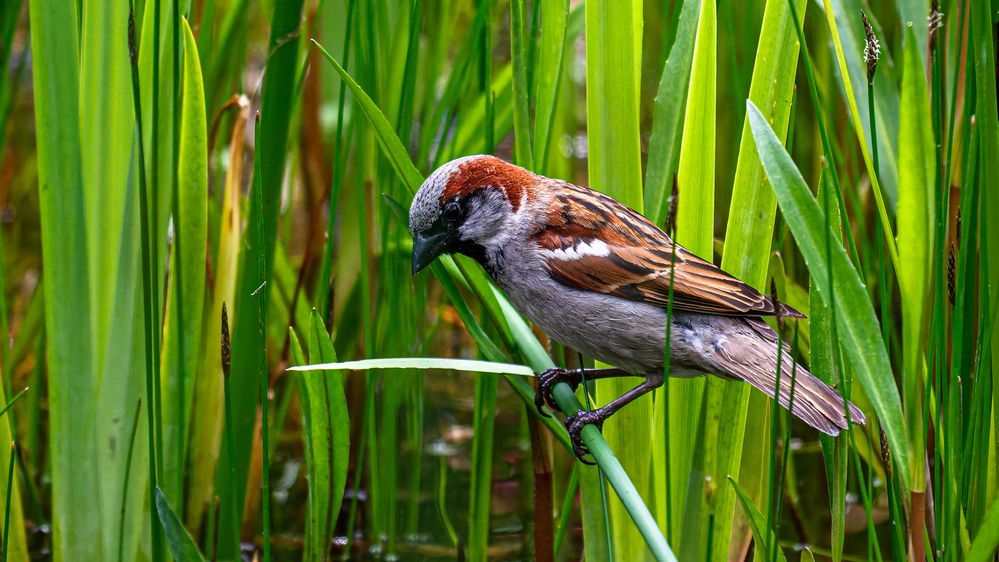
pixel 427 247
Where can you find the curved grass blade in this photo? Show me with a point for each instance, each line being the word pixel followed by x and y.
pixel 178 540
pixel 916 219
pixel 762 536
pixel 861 339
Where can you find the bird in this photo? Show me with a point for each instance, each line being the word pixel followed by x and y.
pixel 595 275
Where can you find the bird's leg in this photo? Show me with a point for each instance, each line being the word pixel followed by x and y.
pixel 548 379
pixel 575 423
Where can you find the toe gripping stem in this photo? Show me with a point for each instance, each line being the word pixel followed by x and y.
pixel 546 384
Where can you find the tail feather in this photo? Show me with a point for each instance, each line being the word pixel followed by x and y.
pixel 751 356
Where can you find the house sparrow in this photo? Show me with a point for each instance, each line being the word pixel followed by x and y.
pixel 595 276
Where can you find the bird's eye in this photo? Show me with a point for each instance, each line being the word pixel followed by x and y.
pixel 452 211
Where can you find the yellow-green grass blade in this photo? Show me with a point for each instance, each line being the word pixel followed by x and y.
pixel 695 230
pixel 745 432
pixel 858 125
pixel 667 121
pixel 54 40
pixel 548 75
pixel 664 153
pixel 185 297
pixel 206 425
pixel 852 39
pixel 916 222
pixel 613 76
pixel 523 153
pixel 858 327
pixel 107 150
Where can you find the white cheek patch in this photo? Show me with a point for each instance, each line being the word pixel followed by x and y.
pixel 579 250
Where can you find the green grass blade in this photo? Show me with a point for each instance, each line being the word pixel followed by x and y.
pixel 54 41
pixel 548 75
pixel 916 219
pixel 178 539
pixel 394 151
pixel 187 289
pixel 695 230
pixel 822 362
pixel 326 436
pixel 762 536
pixel 667 121
pixel 861 340
pixel 983 548
pixel 524 154
pixel 206 428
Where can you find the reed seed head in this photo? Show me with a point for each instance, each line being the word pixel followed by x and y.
pixel 226 348
pixel 872 49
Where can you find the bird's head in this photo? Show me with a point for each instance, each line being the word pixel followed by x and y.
pixel 469 205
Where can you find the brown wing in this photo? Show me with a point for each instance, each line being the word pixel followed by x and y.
pixel 594 243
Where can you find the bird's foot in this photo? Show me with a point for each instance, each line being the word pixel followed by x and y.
pixel 546 383
pixel 575 423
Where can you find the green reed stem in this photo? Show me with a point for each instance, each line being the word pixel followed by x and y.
pixel 563 515
pixel 265 478
pixel 611 468
pixel 127 476
pixel 151 341
pixel 10 490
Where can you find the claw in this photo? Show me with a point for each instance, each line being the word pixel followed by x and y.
pixel 546 383
pixel 574 424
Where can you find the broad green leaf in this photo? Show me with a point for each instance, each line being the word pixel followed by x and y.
pixel 858 326
pixel 179 540
pixel 916 224
pixel 422 363
pixel 696 173
pixel 69 352
pixel 762 536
